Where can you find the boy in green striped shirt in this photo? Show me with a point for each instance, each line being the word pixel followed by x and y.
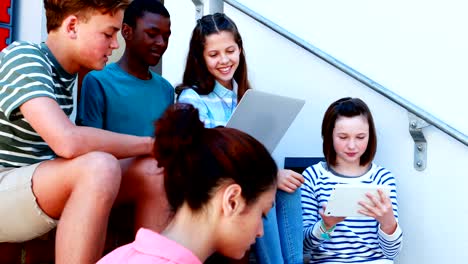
pixel 53 173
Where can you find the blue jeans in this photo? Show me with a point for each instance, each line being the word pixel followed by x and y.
pixel 283 237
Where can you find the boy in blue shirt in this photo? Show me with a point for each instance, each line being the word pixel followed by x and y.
pixel 127 97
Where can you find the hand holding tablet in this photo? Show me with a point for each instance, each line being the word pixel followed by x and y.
pixel 344 199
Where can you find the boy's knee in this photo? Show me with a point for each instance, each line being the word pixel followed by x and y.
pixel 102 172
pixel 103 162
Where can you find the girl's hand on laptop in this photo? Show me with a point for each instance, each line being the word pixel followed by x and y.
pixel 289 180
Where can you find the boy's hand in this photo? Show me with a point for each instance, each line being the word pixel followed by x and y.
pixel 380 208
pixel 151 146
pixel 289 180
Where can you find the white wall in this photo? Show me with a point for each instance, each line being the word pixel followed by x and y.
pixel 394 51
pixel 182 22
pixel 29 21
pixel 415 48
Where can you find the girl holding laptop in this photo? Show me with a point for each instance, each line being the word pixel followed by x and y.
pixel 214 81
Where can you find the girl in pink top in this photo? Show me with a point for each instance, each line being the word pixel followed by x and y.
pixel 220 182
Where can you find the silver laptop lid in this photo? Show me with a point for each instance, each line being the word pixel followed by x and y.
pixel 265 116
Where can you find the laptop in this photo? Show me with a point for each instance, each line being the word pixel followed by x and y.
pixel 265 116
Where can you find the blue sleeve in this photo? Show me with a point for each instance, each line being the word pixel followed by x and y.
pixel 310 209
pixel 91 108
pixel 171 93
pixel 189 96
pixel 169 89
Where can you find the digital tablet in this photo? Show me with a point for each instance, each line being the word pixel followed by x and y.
pixel 344 199
pixel 265 116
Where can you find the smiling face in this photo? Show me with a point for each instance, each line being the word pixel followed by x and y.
pixel 240 232
pixel 350 139
pixel 96 38
pixel 221 54
pixel 149 39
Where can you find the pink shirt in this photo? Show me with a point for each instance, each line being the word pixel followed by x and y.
pixel 150 247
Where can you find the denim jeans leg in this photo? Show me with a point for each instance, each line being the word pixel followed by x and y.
pixel 268 247
pixel 289 217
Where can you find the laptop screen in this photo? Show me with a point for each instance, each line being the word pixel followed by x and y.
pixel 265 116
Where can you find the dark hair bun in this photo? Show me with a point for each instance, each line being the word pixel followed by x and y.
pixel 197 159
pixel 178 130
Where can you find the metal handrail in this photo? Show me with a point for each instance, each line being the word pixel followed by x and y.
pixel 421 113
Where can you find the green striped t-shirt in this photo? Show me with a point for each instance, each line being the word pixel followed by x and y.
pixel 28 71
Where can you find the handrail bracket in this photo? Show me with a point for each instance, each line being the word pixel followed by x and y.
pixel 416 125
pixel 198 8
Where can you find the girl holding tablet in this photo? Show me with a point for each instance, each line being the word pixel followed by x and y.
pixel 349 146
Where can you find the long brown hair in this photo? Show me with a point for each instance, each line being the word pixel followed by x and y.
pixel 196 74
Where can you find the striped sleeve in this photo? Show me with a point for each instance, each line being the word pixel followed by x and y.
pixel 391 245
pixel 24 74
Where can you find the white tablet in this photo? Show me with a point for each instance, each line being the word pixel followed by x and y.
pixel 344 199
pixel 265 116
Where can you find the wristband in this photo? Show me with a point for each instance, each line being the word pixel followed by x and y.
pixel 326 232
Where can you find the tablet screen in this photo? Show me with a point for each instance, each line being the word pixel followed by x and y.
pixel 344 199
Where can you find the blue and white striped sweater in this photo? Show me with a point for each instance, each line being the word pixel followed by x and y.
pixel 356 239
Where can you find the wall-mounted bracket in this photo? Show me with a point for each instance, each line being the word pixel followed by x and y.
pixel 198 8
pixel 203 7
pixel 416 125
